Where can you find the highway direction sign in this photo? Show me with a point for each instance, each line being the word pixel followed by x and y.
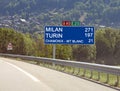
pixel 68 35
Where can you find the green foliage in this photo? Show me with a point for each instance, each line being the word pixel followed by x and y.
pixel 106 49
pixel 64 52
pixel 42 50
pixel 10 36
pixel 30 45
pixel 84 53
pixel 107 40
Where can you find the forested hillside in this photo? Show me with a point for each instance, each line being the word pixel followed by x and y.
pixel 39 13
pixel 31 16
pixel 105 51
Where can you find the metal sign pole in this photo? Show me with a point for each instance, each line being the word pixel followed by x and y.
pixel 54 51
pixel 54 54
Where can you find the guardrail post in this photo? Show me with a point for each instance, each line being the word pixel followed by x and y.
pixel 57 67
pixel 53 64
pixel 73 71
pixel 49 65
pixel 107 78
pixel 37 63
pixel 54 67
pixel 43 63
pixel 91 74
pixel 84 72
pixel 98 76
pixel 63 68
pixel 117 82
pixel 78 71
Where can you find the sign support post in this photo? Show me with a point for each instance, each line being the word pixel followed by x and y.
pixel 54 51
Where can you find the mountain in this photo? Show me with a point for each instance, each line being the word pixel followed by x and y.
pixel 38 13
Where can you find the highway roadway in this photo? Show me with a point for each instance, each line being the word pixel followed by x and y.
pixel 21 76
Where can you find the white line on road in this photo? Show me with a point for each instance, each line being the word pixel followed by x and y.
pixel 26 73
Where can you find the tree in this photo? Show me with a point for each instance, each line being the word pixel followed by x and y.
pixel 106 43
pixel 10 36
pixel 63 52
pixel 84 53
pixel 30 45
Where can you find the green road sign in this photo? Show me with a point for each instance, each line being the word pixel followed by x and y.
pixel 75 23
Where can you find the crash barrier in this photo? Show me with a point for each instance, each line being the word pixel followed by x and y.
pixel 94 69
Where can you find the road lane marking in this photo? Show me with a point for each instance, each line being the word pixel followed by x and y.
pixel 26 73
pixel 29 75
pixel 1 61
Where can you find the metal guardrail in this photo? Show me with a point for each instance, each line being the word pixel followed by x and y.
pixel 90 66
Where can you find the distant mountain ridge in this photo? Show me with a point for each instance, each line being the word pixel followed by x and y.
pixel 90 12
pixel 19 6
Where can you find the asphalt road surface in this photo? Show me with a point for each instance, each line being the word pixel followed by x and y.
pixel 21 76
